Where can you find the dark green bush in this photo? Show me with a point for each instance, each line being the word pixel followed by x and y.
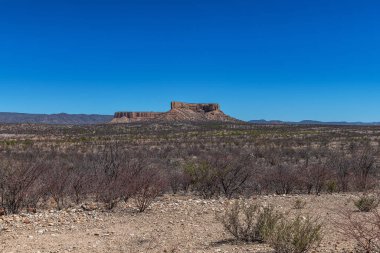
pixel 331 186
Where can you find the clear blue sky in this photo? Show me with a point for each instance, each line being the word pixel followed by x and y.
pixel 260 59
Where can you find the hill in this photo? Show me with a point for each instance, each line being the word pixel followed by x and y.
pixel 61 118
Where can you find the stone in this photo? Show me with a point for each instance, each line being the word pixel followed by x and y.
pixel 89 206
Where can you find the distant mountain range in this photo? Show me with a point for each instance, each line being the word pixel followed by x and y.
pixel 88 119
pixel 60 119
pixel 313 122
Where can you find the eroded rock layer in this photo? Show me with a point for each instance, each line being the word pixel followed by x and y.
pixel 195 107
pixel 126 117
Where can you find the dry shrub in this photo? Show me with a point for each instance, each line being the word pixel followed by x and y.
pixel 108 164
pixel 58 183
pixel 108 191
pixel 364 228
pixel 18 183
pixel 366 203
pixel 203 178
pixel 296 236
pixel 299 204
pixel 249 222
pixel 222 172
pixel 233 170
pixel 146 188
pixel 364 168
pixel 80 181
pixel 281 179
pixel 178 180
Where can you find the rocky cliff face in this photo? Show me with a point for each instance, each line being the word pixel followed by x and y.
pixel 179 112
pixel 195 107
pixel 126 117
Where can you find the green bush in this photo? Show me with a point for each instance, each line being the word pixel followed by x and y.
pixel 296 236
pixel 249 222
pixel 203 179
pixel 331 186
pixel 366 203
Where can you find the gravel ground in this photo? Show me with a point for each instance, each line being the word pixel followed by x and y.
pixel 172 224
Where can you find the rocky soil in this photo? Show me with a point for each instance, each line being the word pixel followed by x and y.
pixel 172 224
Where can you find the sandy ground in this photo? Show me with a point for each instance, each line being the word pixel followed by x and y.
pixel 172 224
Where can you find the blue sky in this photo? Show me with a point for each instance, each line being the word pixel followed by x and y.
pixel 260 59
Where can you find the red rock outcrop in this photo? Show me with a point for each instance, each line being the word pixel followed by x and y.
pixel 126 117
pixel 195 107
pixel 179 112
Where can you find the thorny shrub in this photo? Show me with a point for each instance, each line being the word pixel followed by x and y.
pixel 146 188
pixel 249 222
pixel 367 203
pixel 364 228
pixel 296 236
pixel 252 223
pixel 19 182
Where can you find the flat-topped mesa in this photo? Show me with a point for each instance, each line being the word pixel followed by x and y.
pixel 125 117
pixel 195 107
pixel 179 112
pixel 133 115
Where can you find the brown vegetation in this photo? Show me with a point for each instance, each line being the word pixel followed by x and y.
pixel 137 163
